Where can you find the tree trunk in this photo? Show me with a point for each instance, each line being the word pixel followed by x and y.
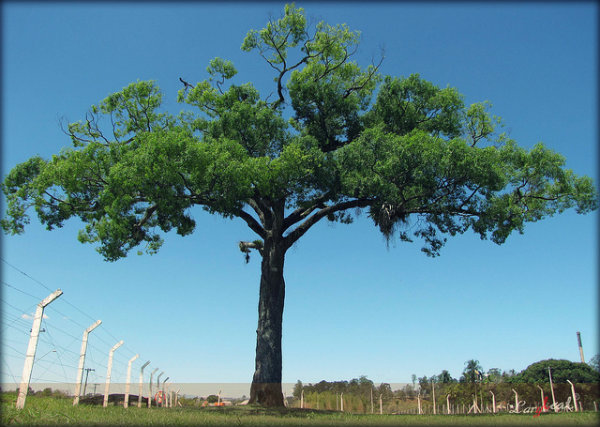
pixel 266 383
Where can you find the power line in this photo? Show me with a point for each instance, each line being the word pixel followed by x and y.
pixel 26 275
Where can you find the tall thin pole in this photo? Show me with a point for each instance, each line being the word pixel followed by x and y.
pixel 109 370
pixel 158 385
pixel 543 402
pixel 150 399
pixel 433 393
pixel 126 402
pixel 87 371
pixel 141 386
pixel 516 400
pixel 552 390
pixel 82 359
pixel 164 395
pixel 580 347
pixel 574 396
pixel 32 347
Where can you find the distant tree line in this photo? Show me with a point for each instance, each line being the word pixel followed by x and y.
pixel 362 395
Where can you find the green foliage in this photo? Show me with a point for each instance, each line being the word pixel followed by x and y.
pixel 415 156
pixel 472 371
pixel 594 362
pixel 562 370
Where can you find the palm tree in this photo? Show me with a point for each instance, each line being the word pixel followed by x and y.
pixel 472 371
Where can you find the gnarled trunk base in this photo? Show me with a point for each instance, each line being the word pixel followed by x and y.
pixel 266 394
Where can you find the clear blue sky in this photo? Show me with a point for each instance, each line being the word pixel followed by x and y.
pixel 353 306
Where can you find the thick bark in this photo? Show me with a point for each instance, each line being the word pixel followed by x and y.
pixel 266 383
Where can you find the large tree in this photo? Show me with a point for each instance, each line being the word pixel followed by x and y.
pixel 333 138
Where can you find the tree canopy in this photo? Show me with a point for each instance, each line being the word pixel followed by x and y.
pixel 414 151
pixel 337 138
pixel 562 370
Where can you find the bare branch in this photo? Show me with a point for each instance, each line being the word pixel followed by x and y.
pixel 299 231
pixel 252 223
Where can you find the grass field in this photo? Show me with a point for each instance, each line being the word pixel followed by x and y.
pixel 57 411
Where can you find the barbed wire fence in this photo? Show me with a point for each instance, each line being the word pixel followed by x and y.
pixel 59 342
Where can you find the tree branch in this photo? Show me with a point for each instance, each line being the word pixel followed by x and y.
pixel 301 213
pixel 252 223
pixel 299 231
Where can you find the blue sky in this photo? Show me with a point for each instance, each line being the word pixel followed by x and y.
pixel 353 305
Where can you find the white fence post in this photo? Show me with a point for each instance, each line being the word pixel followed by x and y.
pixel 158 388
pixel 82 360
pixel 574 396
pixel 108 371
pixel 493 401
pixel 165 403
pixel 342 401
pixel 544 407
pixel 31 348
pixel 381 404
pixel 433 397
pixel 552 390
pixel 141 383
pixel 448 403
pixel 150 399
pixel 126 402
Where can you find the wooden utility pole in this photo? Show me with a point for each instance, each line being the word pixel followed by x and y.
pixel 150 399
pixel 82 360
pixel 87 371
pixel 141 380
pixel 580 347
pixel 32 347
pixel 126 402
pixel 108 371
pixel 552 390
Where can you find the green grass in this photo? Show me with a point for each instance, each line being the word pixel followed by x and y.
pixel 56 411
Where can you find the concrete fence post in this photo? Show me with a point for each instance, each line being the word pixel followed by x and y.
pixel 141 383
pixel 109 370
pixel 32 347
pixel 574 396
pixel 126 402
pixel 82 360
